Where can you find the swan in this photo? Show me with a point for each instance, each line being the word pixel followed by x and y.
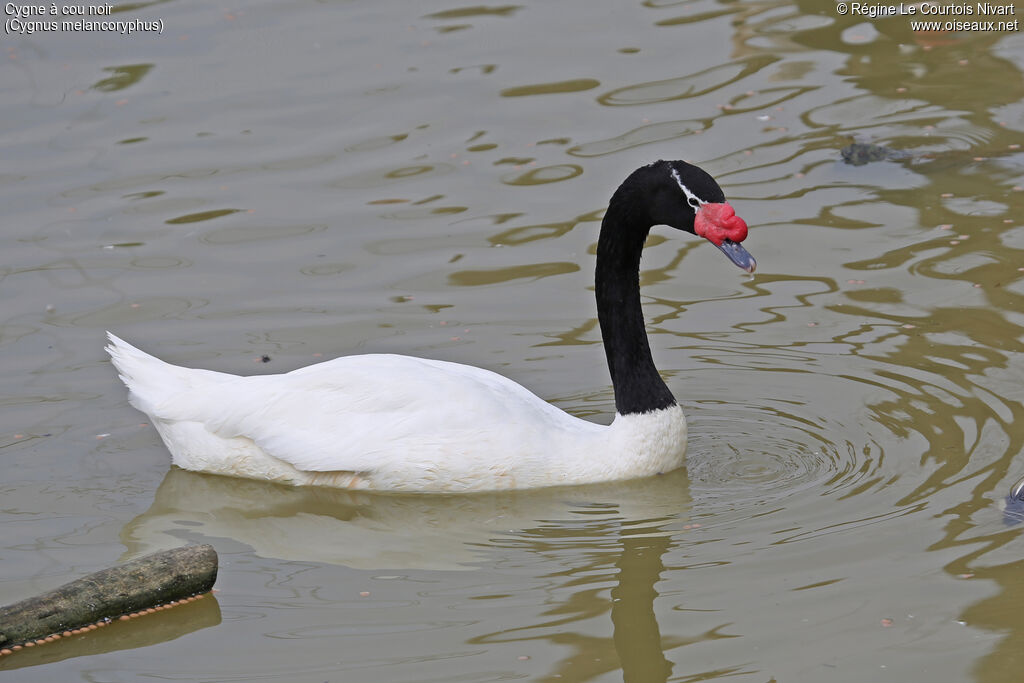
pixel 399 423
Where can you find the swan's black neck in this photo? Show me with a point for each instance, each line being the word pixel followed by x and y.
pixel 638 386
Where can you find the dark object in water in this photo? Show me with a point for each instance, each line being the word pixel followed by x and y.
pixel 1013 513
pixel 860 153
pixel 157 579
pixel 1017 491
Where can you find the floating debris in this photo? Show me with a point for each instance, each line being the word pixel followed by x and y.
pixel 860 153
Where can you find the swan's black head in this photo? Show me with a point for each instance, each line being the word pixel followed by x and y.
pixel 685 197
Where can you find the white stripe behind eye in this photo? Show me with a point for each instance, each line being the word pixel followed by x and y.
pixel 689 195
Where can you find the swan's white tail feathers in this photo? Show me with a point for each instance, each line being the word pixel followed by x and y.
pixel 151 381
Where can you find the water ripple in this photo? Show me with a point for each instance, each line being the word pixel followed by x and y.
pixel 797 451
pixel 690 85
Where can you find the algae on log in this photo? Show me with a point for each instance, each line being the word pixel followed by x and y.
pixel 152 580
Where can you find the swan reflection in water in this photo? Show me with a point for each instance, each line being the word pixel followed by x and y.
pixel 593 536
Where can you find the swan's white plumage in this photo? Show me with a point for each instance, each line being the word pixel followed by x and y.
pixel 389 422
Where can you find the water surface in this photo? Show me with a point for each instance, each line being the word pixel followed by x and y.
pixel 289 182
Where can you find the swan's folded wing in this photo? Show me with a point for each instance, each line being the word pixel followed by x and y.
pixel 355 413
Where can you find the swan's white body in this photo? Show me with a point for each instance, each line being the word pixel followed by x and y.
pixel 389 422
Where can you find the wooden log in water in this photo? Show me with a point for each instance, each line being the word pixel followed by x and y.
pixel 157 579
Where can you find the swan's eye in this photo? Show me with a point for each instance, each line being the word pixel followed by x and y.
pixel 694 202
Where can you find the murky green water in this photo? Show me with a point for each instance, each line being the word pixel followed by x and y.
pixel 309 179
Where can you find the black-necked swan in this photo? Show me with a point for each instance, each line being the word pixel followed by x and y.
pixel 399 423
